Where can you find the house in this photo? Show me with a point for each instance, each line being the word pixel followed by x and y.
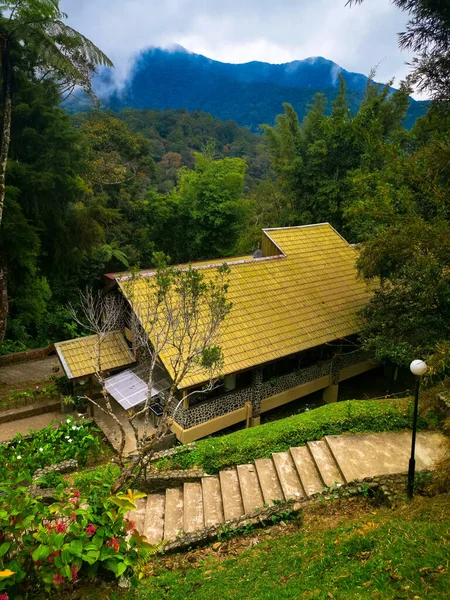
pixel 291 332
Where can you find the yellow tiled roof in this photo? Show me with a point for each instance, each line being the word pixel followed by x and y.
pixel 83 356
pixel 305 296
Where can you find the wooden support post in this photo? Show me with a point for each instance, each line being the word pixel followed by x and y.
pixel 249 407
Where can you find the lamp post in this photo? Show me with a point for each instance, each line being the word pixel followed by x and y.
pixel 418 368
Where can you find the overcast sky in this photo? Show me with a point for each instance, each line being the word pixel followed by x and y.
pixel 276 31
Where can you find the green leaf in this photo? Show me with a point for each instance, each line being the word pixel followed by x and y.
pixel 97 541
pixel 66 555
pixel 76 547
pixel 121 568
pixel 4 548
pixel 92 556
pixel 111 565
pixel 41 553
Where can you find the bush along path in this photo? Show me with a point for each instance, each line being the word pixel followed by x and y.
pixel 296 474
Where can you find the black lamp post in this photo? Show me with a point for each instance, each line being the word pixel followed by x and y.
pixel 418 368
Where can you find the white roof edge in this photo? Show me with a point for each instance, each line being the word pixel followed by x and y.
pixel 63 363
pixel 297 226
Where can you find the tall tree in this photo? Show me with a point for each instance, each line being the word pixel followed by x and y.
pixel 60 53
pixel 313 160
pixel 63 53
pixel 427 33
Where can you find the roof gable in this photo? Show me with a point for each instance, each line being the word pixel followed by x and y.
pixel 82 356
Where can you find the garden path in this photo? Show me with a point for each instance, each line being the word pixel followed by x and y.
pixel 111 430
pixel 23 426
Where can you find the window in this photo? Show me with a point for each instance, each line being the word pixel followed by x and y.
pixel 280 367
pixel 229 383
pixel 243 379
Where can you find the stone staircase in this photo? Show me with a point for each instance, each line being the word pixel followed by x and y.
pixel 298 473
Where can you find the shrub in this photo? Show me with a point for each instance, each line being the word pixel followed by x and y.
pixel 72 439
pixel 244 446
pixel 43 547
pixel 51 480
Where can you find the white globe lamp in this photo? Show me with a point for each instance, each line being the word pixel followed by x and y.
pixel 418 367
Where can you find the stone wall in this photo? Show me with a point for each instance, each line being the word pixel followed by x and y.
pixel 162 480
pixel 27 355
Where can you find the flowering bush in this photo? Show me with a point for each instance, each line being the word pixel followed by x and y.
pixel 72 439
pixel 43 547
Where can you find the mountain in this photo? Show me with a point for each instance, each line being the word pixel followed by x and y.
pixel 250 93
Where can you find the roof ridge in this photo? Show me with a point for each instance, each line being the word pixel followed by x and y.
pixel 245 261
pixel 298 226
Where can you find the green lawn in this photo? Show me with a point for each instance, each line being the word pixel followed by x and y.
pixel 244 446
pixel 377 553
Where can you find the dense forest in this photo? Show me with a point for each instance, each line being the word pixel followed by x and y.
pixel 102 191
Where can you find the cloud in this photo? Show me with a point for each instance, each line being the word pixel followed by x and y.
pixel 356 38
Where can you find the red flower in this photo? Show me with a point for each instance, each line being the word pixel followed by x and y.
pixel 58 579
pixel 73 516
pixel 75 500
pixel 113 543
pixel 90 529
pixel 51 558
pixel 60 528
pixel 74 571
pixel 4 596
pixel 129 525
pixel 76 493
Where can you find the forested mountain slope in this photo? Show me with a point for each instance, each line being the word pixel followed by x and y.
pixel 250 93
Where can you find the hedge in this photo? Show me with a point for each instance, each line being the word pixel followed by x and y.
pixel 244 446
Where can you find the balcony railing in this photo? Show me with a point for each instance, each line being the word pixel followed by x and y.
pixel 226 403
pixel 211 408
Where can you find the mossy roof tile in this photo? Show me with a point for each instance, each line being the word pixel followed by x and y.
pixel 306 297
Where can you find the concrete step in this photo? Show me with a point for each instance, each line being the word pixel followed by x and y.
pixel 325 463
pixel 192 506
pixel 287 474
pixel 138 515
pixel 212 501
pixel 373 454
pixel 307 471
pixel 231 494
pixel 173 522
pixel 268 480
pixel 154 518
pixel 251 492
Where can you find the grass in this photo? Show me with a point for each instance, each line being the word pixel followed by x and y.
pixel 244 446
pixel 342 550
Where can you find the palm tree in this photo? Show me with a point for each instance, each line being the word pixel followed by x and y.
pixel 64 54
